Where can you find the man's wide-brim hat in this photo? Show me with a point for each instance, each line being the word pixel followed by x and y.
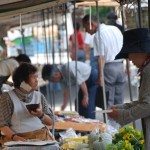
pixel 135 41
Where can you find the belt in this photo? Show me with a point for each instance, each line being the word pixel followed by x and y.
pixel 116 61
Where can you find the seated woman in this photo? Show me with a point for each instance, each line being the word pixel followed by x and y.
pixel 17 123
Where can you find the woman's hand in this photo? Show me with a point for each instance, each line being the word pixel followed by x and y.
pixel 37 113
pixel 18 138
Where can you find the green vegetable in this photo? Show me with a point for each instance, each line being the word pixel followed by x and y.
pixel 127 138
pixel 106 137
pixel 99 144
pixel 93 137
pixel 80 146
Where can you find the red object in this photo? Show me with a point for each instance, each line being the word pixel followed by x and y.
pixel 79 40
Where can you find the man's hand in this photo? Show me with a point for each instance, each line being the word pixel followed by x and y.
pixel 65 100
pixel 114 114
pixel 100 81
pixel 85 101
pixel 63 106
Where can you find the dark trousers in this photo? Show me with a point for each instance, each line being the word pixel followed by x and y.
pixel 88 112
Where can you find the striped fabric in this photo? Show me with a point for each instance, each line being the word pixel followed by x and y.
pixel 6 106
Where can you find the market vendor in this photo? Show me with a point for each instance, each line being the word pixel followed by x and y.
pixel 136 47
pixel 62 74
pixel 17 123
pixel 7 66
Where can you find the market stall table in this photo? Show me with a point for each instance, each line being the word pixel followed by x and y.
pixel 78 126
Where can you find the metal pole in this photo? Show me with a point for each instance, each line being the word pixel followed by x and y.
pixel 37 41
pixel 149 14
pixel 53 53
pixel 68 59
pixel 139 14
pixel 43 16
pixel 77 99
pixel 46 51
pixel 103 87
pixel 49 35
pixel 122 16
pixel 22 34
pixel 129 79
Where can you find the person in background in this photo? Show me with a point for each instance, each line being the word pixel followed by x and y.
pixel 89 111
pixel 17 123
pixel 62 74
pixel 76 44
pixel 136 47
pixel 112 20
pixel 7 66
pixel 108 42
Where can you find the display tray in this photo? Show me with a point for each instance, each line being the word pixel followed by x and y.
pixel 29 143
pixel 82 127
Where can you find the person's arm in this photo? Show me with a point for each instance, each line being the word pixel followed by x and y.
pixel 65 100
pixel 85 94
pixel 125 116
pixel 87 53
pixel 137 109
pixel 44 113
pixel 6 109
pixel 42 116
pixel 101 63
pixel 99 50
pixel 125 106
pixel 10 135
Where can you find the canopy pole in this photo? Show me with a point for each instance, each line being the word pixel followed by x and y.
pixel 53 53
pixel 74 18
pixel 139 14
pixel 37 44
pixel 122 16
pixel 70 102
pixel 103 87
pixel 149 14
pixel 22 34
pixel 43 17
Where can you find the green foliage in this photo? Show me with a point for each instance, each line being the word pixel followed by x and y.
pixel 102 11
pixel 98 145
pixel 127 138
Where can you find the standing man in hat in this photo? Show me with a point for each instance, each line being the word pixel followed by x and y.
pixel 136 47
pixel 108 42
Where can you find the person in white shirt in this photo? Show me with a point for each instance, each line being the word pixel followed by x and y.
pixel 62 73
pixel 8 65
pixel 108 41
